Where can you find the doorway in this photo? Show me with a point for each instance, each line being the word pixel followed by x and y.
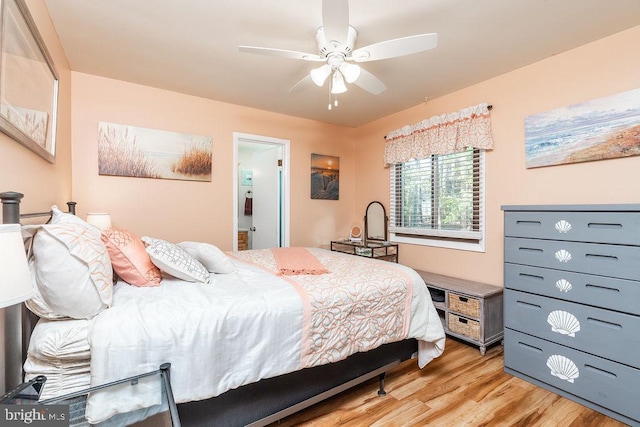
pixel 261 192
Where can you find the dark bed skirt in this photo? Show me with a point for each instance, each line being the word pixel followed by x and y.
pixel 253 402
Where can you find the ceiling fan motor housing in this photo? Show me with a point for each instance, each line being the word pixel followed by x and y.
pixel 326 48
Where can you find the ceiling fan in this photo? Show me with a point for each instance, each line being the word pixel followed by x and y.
pixel 336 41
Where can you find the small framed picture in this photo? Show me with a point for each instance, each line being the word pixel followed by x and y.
pixel 246 177
pixel 325 177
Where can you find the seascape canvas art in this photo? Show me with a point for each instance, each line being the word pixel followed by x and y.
pixel 325 177
pixel 603 128
pixel 150 153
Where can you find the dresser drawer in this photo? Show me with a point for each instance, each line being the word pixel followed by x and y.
pixel 607 292
pixel 605 333
pixel 604 260
pixel 465 305
pixel 595 227
pixel 600 381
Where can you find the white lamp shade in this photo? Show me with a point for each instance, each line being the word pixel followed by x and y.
pixel 320 74
pixel 337 84
pixel 15 278
pixel 100 220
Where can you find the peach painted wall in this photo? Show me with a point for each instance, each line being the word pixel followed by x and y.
pixel 605 67
pixel 203 211
pixel 42 183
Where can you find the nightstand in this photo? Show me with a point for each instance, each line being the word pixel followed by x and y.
pixel 375 250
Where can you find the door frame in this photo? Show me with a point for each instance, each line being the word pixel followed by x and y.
pixel 238 139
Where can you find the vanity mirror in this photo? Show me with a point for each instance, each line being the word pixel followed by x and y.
pixel 375 222
pixel 373 243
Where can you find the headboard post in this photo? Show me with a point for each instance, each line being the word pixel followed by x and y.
pixel 11 207
pixel 72 207
pixel 12 315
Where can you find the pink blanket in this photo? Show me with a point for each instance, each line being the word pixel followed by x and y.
pixel 294 261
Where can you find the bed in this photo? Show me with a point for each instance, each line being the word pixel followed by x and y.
pixel 251 336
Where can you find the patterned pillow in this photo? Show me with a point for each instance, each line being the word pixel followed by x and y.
pixel 175 261
pixel 73 274
pixel 213 259
pixel 129 258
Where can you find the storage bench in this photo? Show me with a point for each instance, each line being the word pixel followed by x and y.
pixel 469 310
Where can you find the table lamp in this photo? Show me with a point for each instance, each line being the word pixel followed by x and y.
pixel 15 278
pixel 100 220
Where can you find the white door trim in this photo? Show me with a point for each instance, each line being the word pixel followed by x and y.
pixel 239 138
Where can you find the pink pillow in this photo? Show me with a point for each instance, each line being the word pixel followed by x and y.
pixel 129 258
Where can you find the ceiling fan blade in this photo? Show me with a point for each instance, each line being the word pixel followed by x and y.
pixel 396 47
pixel 281 53
pixel 303 85
pixel 370 83
pixel 335 20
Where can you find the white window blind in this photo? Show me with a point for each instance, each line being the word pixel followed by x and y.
pixel 441 196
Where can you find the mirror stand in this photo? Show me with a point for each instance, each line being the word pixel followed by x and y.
pixel 375 222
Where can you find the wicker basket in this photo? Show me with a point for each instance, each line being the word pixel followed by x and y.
pixel 464 305
pixel 463 326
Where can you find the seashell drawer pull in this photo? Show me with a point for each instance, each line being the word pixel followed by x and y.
pixel 564 285
pixel 563 255
pixel 563 322
pixel 563 226
pixel 563 368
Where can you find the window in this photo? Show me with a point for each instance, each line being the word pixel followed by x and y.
pixel 439 201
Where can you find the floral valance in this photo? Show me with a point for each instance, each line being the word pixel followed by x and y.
pixel 448 133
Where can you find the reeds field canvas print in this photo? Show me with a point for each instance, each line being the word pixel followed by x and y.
pixel 150 153
pixel 603 128
pixel 325 177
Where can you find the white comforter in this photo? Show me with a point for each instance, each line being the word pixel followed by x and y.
pixel 241 328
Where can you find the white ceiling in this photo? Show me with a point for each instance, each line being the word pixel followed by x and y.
pixel 191 46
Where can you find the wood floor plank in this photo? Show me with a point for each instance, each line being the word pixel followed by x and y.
pixel 460 388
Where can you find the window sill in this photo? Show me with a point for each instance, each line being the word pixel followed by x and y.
pixel 439 243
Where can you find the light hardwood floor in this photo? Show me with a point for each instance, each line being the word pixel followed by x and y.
pixel 461 388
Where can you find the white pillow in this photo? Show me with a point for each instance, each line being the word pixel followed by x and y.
pixel 37 304
pixel 72 270
pixel 175 261
pixel 213 259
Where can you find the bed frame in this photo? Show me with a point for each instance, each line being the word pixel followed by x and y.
pixel 256 404
pixel 19 321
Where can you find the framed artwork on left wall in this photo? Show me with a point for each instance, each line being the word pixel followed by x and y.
pixel 28 82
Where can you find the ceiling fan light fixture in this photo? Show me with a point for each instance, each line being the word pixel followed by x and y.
pixel 337 83
pixel 320 74
pixel 351 72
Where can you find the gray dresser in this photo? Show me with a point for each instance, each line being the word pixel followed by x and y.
pixel 572 303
